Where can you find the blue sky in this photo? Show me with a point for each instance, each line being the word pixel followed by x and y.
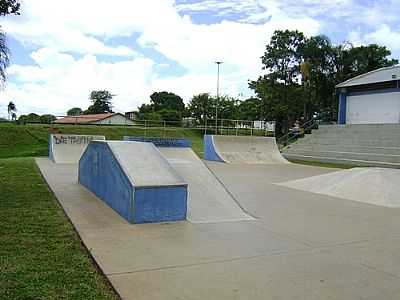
pixel 60 54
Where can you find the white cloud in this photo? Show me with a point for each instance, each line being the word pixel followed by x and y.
pixel 60 80
pixel 54 88
pixel 384 35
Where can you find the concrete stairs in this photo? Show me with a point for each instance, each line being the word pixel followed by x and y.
pixel 359 145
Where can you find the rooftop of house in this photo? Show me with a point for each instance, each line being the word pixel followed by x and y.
pixel 84 118
pixel 375 76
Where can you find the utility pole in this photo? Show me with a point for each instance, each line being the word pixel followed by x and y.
pixel 216 105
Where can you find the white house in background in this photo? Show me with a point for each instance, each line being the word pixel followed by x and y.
pixel 103 119
pixel 371 98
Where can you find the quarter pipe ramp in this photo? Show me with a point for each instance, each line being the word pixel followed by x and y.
pixel 242 149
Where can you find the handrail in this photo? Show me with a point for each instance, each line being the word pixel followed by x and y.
pixel 286 138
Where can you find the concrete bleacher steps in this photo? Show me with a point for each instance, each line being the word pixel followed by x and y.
pixel 359 145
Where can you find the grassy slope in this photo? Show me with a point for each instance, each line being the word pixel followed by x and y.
pixel 32 140
pixel 41 256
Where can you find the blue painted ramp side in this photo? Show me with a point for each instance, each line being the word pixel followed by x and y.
pixel 210 152
pixel 101 173
pixel 160 204
pixel 105 170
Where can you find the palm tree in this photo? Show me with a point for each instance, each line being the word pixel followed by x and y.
pixel 4 57
pixel 11 109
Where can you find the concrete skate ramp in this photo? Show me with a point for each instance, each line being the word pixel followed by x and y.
pixel 135 180
pixel 68 148
pixel 242 149
pixel 378 186
pixel 208 200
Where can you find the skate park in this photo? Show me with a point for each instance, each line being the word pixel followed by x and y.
pixel 250 224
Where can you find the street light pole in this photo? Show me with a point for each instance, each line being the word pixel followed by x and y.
pixel 216 105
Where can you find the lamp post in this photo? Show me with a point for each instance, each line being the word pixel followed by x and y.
pixel 216 105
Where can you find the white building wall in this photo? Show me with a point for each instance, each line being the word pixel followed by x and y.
pixel 377 108
pixel 116 119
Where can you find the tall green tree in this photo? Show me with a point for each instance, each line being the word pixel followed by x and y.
pixel 47 119
pixel 279 89
pixel 228 108
pixel 6 7
pixel 319 81
pixel 166 100
pixel 251 109
pixel 12 109
pixel 202 107
pixel 352 61
pixel 4 56
pixel 75 111
pixel 301 75
pixel 101 102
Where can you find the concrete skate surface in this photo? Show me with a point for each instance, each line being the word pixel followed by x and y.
pixel 302 245
pixel 378 186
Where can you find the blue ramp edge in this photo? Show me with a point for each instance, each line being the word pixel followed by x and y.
pixel 101 173
pixel 209 149
pixel 161 142
pixel 51 155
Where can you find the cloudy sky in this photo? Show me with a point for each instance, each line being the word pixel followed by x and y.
pixel 63 49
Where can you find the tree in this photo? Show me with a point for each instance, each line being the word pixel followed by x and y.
pixel 228 108
pixel 101 102
pixel 11 108
pixel 4 57
pixel 30 118
pixel 6 7
pixel 145 109
pixel 202 107
pixel 153 116
pixel 170 115
pixel 251 109
pixel 166 100
pixel 318 84
pixel 302 74
pixel 279 89
pixel 352 61
pixel 47 119
pixel 75 111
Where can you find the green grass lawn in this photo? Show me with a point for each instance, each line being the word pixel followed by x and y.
pixel 41 256
pixel 32 140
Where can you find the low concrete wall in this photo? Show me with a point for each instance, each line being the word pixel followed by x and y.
pixel 68 148
pixel 128 186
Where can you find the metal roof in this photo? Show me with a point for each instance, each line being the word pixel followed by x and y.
pixel 379 75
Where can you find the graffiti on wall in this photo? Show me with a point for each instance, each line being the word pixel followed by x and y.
pixel 74 139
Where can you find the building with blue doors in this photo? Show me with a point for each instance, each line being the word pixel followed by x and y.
pixel 371 98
